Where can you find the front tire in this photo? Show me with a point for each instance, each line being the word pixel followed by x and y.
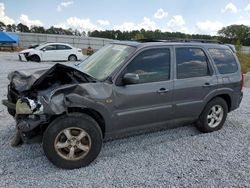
pixel 72 141
pixel 213 116
pixel 35 58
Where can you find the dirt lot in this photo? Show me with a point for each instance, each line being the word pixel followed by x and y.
pixel 181 157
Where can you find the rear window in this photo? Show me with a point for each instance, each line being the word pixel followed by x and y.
pixel 63 47
pixel 224 60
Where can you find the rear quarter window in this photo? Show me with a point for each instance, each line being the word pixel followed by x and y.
pixel 224 60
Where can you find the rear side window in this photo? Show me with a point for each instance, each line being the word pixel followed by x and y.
pixel 191 62
pixel 151 65
pixel 224 60
pixel 63 47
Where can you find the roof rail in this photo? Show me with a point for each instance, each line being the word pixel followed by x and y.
pixel 149 40
pixel 180 40
pixel 195 40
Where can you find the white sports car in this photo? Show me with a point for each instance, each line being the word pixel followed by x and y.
pixel 51 52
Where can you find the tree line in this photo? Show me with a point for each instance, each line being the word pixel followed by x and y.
pixel 40 29
pixel 233 34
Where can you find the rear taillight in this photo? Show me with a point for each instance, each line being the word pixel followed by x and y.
pixel 242 81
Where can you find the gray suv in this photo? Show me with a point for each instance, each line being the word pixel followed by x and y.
pixel 125 87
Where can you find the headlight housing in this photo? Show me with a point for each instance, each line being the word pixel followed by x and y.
pixel 28 106
pixel 26 54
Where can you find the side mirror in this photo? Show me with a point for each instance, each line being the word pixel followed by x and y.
pixel 44 49
pixel 130 78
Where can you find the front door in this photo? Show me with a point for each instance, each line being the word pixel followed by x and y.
pixel 150 100
pixel 49 53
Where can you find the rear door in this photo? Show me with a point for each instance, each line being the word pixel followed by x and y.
pixel 63 52
pixel 194 80
pixel 149 101
pixel 49 53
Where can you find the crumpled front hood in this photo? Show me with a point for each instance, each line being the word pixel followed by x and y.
pixel 23 80
pixel 26 51
pixel 43 79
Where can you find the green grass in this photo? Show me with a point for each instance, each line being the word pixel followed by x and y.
pixel 244 61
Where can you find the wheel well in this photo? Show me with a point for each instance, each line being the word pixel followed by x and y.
pixel 93 113
pixel 72 55
pixel 227 98
pixel 34 55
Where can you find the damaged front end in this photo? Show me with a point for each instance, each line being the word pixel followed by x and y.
pixel 34 100
pixel 29 55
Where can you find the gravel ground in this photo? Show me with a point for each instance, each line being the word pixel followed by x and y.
pixel 180 157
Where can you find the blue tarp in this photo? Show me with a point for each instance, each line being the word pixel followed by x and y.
pixel 8 38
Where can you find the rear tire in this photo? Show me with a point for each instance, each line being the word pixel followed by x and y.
pixel 213 116
pixel 72 58
pixel 77 132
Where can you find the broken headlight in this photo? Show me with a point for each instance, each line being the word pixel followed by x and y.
pixel 28 106
pixel 26 54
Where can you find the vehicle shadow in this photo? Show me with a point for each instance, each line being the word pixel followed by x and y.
pixel 146 140
pixel 111 148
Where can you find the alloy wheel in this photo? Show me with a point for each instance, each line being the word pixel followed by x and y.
pixel 72 143
pixel 215 116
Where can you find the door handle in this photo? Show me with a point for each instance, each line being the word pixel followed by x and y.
pixel 207 84
pixel 162 90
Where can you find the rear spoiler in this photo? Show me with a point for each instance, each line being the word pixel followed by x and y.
pixel 232 47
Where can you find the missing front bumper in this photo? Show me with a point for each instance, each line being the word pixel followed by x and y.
pixel 26 120
pixel 28 123
pixel 22 57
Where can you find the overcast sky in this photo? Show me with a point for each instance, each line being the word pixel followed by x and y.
pixel 189 16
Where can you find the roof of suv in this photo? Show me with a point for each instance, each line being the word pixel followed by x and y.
pixel 209 44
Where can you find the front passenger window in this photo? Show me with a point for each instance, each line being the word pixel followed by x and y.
pixel 151 65
pixel 50 47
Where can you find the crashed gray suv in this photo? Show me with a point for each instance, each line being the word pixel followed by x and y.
pixel 125 87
